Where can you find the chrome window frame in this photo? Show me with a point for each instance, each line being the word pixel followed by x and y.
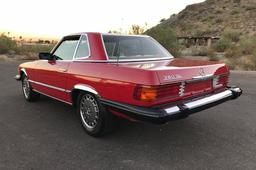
pixel 133 60
pixel 88 45
pixel 59 43
pixel 77 45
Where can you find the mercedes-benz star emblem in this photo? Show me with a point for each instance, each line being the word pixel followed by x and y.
pixel 201 72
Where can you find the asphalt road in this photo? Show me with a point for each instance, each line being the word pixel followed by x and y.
pixel 47 135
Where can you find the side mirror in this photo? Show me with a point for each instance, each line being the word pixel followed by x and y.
pixel 45 56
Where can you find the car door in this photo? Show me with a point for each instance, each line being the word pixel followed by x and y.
pixel 52 75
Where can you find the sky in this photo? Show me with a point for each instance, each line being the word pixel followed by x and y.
pixel 56 18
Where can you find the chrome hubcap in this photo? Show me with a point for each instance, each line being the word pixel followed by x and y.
pixel 89 111
pixel 26 87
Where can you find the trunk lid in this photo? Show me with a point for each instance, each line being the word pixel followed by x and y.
pixel 177 70
pixel 193 77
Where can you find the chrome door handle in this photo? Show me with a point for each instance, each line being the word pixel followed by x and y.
pixel 62 70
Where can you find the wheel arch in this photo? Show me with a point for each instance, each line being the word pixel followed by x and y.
pixel 82 88
pixel 23 72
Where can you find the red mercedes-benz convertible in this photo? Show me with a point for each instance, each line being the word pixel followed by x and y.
pixel 132 77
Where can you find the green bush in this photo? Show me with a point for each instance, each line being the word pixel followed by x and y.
pixel 6 44
pixel 166 37
pixel 222 45
pixel 232 35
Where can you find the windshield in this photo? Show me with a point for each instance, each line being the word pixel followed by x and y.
pixel 133 47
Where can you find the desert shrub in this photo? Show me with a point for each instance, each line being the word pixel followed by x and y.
pixel 248 62
pixel 213 58
pixel 249 8
pixel 253 60
pixel 3 57
pixel 9 47
pixel 199 51
pixel 248 45
pixel 233 52
pixel 232 35
pixel 166 37
pixel 197 33
pixel 222 45
pixel 218 11
pixel 211 52
pixel 234 12
pixel 218 20
pixel 232 63
pixel 37 48
pixel 6 44
pixel 211 17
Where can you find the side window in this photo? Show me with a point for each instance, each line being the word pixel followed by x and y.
pixel 66 49
pixel 83 48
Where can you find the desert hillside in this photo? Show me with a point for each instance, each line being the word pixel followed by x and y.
pixel 212 17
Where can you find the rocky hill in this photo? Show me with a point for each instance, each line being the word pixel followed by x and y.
pixel 212 17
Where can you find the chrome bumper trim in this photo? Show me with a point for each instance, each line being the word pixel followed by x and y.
pixel 172 110
pixel 17 77
pixel 233 92
pixel 208 100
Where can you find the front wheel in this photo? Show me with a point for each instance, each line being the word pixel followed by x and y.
pixel 28 92
pixel 95 119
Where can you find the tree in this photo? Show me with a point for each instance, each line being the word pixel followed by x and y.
pixel 162 20
pixel 114 32
pixel 137 30
pixel 167 37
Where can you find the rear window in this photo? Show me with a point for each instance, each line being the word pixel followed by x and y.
pixel 133 47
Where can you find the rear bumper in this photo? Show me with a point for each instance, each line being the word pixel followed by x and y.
pixel 182 110
pixel 17 77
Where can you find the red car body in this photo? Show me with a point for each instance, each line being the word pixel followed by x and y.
pixel 154 90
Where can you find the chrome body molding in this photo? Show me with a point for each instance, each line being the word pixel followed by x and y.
pixel 50 86
pixel 87 88
pixel 52 97
pixel 115 61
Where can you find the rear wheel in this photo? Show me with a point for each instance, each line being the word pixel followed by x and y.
pixel 95 119
pixel 28 93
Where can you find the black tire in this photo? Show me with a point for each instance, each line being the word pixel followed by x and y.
pixel 28 92
pixel 95 119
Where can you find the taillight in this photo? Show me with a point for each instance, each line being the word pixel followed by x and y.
pixel 220 81
pixel 145 93
pixel 151 93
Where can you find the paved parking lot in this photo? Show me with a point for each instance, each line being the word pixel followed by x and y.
pixel 47 135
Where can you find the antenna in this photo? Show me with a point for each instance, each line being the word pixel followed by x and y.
pixel 118 59
pixel 118 50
